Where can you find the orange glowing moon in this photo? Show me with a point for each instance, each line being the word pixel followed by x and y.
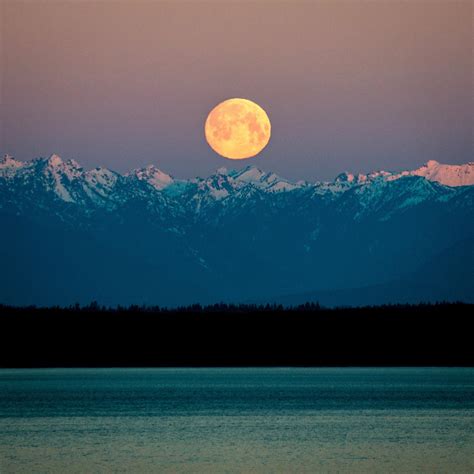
pixel 237 129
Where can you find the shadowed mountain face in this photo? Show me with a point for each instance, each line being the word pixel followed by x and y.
pixel 449 276
pixel 70 235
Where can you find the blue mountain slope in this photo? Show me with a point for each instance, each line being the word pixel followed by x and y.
pixel 71 235
pixel 448 276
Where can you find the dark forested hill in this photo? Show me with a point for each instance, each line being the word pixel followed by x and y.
pixel 448 276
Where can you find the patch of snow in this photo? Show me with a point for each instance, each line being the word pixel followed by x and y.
pixel 62 174
pixel 270 182
pixel 218 193
pixel 449 175
pixel 153 176
pixel 9 166
pixel 99 181
pixel 55 160
pixel 74 164
pixel 378 174
pixel 250 174
pixel 60 189
pixel 282 186
pixel 101 176
pixel 9 162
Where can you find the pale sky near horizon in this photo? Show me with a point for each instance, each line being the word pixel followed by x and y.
pixel 353 86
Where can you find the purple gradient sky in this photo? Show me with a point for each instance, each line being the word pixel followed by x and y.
pixel 350 86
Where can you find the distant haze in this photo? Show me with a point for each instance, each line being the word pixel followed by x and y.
pixel 350 86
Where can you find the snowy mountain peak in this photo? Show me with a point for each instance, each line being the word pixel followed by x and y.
pixel 54 160
pixel 69 170
pixel 9 162
pixel 152 175
pixel 9 166
pixel 380 174
pixel 349 178
pixel 345 178
pixel 449 175
pixel 267 181
pixel 223 171
pixel 249 174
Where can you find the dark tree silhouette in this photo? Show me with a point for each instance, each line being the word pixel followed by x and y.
pixel 236 335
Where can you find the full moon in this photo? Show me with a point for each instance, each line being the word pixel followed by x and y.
pixel 237 129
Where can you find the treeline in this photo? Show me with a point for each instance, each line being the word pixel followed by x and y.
pixel 94 306
pixel 236 335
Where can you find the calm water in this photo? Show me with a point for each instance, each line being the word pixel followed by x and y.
pixel 237 420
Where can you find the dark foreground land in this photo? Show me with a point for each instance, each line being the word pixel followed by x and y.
pixel 221 335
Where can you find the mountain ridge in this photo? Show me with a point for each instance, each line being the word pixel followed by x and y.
pixel 449 175
pixel 147 237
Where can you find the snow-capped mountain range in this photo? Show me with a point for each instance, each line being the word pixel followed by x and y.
pixel 67 179
pixel 70 234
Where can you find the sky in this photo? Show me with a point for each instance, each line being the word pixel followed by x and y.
pixel 348 86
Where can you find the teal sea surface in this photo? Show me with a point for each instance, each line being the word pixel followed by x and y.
pixel 237 420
